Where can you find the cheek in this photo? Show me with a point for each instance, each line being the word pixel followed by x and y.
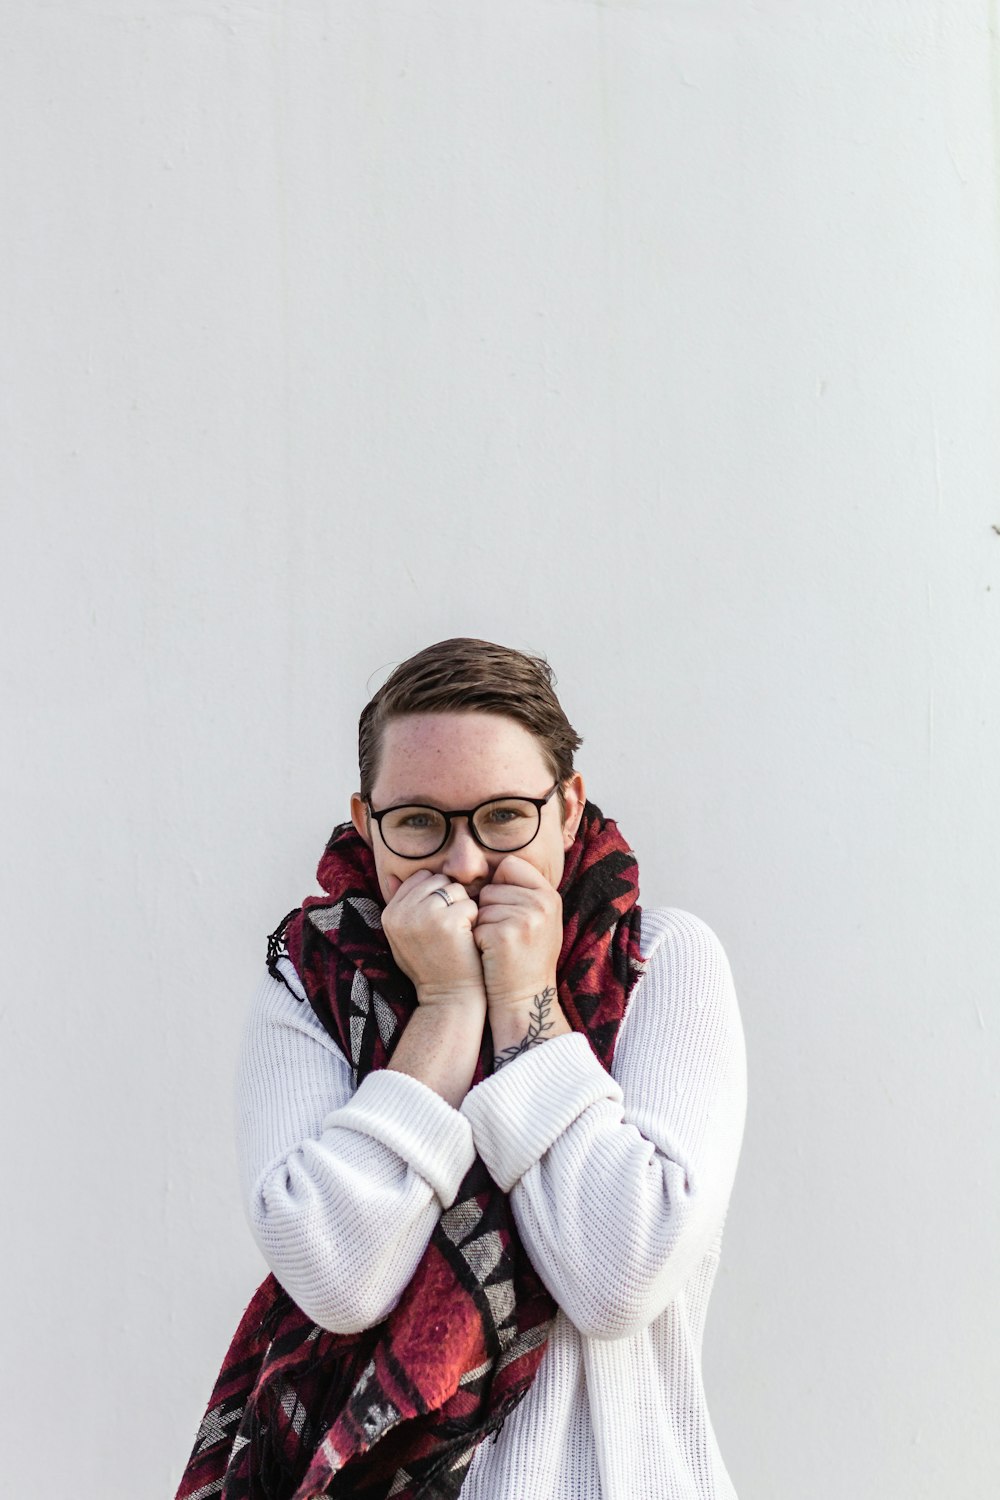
pixel 554 858
pixel 386 865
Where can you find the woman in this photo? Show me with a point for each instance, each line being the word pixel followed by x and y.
pixel 489 1118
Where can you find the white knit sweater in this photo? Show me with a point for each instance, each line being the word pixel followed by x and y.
pixel 619 1185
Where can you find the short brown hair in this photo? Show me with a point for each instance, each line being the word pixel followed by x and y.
pixel 461 675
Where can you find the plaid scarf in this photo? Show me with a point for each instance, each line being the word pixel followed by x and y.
pixel 399 1409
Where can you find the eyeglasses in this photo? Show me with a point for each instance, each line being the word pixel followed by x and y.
pixel 501 825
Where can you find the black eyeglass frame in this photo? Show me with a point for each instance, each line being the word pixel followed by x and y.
pixel 469 814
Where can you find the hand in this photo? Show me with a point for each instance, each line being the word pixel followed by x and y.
pixel 432 940
pixel 519 933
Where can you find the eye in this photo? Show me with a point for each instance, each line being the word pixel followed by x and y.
pixel 418 820
pixel 502 816
pixel 414 819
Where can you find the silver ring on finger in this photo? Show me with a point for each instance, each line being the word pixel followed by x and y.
pixel 443 894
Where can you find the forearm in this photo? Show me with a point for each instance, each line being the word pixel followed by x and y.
pixel 613 1221
pixel 343 1186
pixel 619 1184
pixel 519 1026
pixel 343 1221
pixel 440 1046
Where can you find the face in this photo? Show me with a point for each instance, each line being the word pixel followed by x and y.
pixel 452 760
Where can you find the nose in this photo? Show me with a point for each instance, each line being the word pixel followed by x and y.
pixel 464 861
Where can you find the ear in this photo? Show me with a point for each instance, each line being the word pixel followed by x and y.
pixel 360 818
pixel 575 794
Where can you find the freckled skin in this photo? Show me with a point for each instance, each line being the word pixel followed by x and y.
pixel 490 952
pixel 458 760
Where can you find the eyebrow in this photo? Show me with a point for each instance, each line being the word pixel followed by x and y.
pixel 438 807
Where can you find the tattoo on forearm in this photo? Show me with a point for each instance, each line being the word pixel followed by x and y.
pixel 539 1023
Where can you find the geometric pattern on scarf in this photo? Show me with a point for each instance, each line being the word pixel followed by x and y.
pixel 399 1409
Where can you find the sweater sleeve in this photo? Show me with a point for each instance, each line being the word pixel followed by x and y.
pixel 342 1186
pixel 619 1182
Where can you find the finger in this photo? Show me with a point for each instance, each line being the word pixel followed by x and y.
pixel 488 915
pixel 514 871
pixel 393 884
pixel 507 895
pixel 446 891
pixel 413 882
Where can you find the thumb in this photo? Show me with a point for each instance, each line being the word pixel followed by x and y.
pixel 392 883
pixel 512 870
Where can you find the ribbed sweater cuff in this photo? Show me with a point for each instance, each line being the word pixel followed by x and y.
pixel 518 1113
pixel 414 1122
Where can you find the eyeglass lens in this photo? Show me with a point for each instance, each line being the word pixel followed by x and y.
pixel 501 826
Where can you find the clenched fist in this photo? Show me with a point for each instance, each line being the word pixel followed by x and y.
pixel 518 932
pixel 432 938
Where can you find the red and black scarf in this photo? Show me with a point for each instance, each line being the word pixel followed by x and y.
pixel 399 1409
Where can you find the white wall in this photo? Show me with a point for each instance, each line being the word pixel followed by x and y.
pixel 663 337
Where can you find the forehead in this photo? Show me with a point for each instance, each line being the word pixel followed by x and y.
pixel 458 759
